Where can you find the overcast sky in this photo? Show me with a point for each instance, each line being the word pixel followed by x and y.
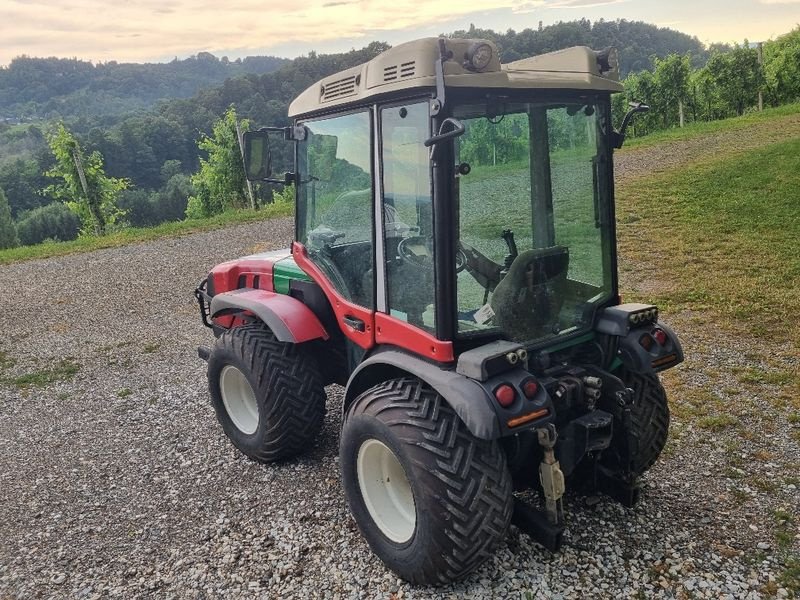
pixel 159 30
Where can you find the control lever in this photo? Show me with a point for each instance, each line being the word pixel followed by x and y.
pixel 508 237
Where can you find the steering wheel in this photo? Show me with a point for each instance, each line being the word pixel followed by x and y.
pixel 418 251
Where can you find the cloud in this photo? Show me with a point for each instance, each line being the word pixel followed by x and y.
pixel 137 30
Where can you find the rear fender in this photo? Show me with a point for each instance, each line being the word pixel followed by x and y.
pixel 289 319
pixel 472 401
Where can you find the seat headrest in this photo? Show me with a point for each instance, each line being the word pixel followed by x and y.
pixel 547 263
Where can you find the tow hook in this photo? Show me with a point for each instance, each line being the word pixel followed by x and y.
pixel 550 475
pixel 546 527
pixel 623 486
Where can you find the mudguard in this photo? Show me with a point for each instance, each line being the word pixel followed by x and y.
pixel 659 358
pixel 471 401
pixel 289 319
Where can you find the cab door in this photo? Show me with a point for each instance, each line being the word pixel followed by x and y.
pixel 335 217
pixel 406 290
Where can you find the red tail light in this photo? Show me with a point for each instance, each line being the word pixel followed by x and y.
pixel 529 388
pixel 661 336
pixel 505 395
pixel 646 342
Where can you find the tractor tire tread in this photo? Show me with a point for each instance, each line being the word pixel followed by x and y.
pixel 649 418
pixel 288 387
pixel 472 482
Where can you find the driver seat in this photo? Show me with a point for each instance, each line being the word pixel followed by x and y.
pixel 528 300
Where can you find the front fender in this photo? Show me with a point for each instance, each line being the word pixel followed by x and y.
pixel 288 318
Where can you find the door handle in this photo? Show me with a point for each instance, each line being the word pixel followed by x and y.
pixel 354 323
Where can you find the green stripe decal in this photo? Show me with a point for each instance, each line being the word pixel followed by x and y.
pixel 284 272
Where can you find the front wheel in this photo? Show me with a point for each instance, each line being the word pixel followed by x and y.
pixel 431 499
pixel 268 395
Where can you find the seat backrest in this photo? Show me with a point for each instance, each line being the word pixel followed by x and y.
pixel 528 300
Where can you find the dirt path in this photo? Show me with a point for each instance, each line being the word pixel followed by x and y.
pixel 635 162
pixel 115 479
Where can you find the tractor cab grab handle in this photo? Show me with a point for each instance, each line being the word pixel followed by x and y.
pixel 457 130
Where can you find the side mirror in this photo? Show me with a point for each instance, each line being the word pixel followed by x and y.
pixel 257 156
pixel 635 108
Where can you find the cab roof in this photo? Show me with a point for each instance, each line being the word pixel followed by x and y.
pixel 411 66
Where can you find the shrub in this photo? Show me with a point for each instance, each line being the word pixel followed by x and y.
pixel 53 221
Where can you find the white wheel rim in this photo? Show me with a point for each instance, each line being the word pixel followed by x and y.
pixel 239 399
pixel 386 491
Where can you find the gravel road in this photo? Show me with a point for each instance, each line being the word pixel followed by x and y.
pixel 115 479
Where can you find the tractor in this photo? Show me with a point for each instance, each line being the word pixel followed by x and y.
pixel 454 267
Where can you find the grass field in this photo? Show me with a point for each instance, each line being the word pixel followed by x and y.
pixel 135 234
pixel 695 130
pixel 724 236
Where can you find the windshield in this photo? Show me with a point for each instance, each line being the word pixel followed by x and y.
pixel 534 225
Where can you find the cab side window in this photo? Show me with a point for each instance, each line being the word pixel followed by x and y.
pixel 408 214
pixel 334 202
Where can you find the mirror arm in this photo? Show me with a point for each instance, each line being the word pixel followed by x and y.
pixel 290 134
pixel 438 67
pixel 288 179
pixel 619 136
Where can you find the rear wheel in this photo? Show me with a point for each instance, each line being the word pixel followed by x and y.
pixel 649 419
pixel 636 449
pixel 268 395
pixel 431 499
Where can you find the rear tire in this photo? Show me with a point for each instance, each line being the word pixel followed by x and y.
pixel 649 427
pixel 431 499
pixel 649 418
pixel 268 395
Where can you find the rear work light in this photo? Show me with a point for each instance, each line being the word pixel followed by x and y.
pixel 505 395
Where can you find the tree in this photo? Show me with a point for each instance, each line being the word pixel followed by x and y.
pixel 782 67
pixel 672 80
pixel 82 184
pixel 737 76
pixel 8 233
pixel 642 87
pixel 220 184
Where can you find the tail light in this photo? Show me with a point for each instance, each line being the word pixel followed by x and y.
pixel 505 395
pixel 530 388
pixel 661 336
pixel 646 341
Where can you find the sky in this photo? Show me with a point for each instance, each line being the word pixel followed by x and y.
pixel 160 30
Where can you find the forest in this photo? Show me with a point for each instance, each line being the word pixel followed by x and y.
pixel 158 143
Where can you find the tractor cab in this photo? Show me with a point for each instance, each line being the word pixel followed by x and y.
pixel 464 214
pixel 454 267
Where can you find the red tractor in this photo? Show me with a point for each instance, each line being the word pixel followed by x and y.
pixel 455 269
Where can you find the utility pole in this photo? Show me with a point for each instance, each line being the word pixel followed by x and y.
pixel 761 66
pixel 240 137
